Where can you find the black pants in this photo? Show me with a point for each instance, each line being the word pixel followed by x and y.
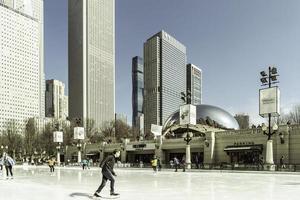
pixel 107 176
pixel 9 168
pixel 154 168
pixel 51 168
pixel 176 167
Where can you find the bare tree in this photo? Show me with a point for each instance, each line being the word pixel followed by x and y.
pixel 12 137
pixel 243 120
pixel 292 117
pixel 29 136
pixel 47 139
pixel 68 131
pixel 108 129
pixel 90 130
pixel 122 130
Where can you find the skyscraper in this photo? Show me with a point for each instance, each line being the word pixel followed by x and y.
pixel 92 60
pixel 194 83
pixel 56 101
pixel 164 77
pixel 137 89
pixel 21 61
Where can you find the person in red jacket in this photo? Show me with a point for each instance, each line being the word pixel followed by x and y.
pixel 108 172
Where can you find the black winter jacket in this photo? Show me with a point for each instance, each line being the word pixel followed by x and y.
pixel 108 164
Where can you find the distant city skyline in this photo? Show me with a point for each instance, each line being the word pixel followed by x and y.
pixel 231 41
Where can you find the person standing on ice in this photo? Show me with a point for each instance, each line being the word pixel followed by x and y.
pixel 154 163
pixel 1 164
pixel 183 163
pixel 108 172
pixel 176 163
pixel 51 163
pixel 8 163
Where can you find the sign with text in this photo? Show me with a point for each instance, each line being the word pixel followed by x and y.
pixel 269 102
pixel 58 136
pixel 187 114
pixel 78 133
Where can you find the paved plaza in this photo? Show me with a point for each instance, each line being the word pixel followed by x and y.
pixel 36 183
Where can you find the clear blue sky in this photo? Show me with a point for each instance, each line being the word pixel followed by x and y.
pixel 231 41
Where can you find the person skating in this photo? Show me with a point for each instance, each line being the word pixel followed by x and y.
pixel 154 163
pixel 1 165
pixel 8 163
pixel 84 164
pixel 282 165
pixel 183 164
pixel 51 163
pixel 108 172
pixel 159 164
pixel 176 163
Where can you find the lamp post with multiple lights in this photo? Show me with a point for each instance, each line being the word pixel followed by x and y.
pixel 187 117
pixel 269 104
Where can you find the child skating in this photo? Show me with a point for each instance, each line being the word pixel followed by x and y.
pixel 51 163
pixel 108 172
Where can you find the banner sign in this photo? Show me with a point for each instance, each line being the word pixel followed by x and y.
pixel 269 102
pixel 78 133
pixel 187 114
pixel 58 136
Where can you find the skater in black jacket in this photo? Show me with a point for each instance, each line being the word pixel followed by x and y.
pixel 108 172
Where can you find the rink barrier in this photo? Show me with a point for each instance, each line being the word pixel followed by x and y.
pixel 202 166
pixel 219 166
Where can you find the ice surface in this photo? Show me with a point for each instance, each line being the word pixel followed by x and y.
pixel 36 183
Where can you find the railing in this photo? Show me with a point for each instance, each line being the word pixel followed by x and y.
pixel 218 166
pixel 247 167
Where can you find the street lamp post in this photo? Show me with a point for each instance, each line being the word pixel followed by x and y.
pixel 269 107
pixel 79 151
pixel 269 153
pixel 2 151
pixel 187 117
pixel 58 138
pixel 188 138
pixel 79 135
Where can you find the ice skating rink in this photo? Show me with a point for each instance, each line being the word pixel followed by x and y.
pixel 72 183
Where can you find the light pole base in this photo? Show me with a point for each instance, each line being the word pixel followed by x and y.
pixel 79 157
pixel 269 167
pixel 188 165
pixel 269 153
pixel 188 156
